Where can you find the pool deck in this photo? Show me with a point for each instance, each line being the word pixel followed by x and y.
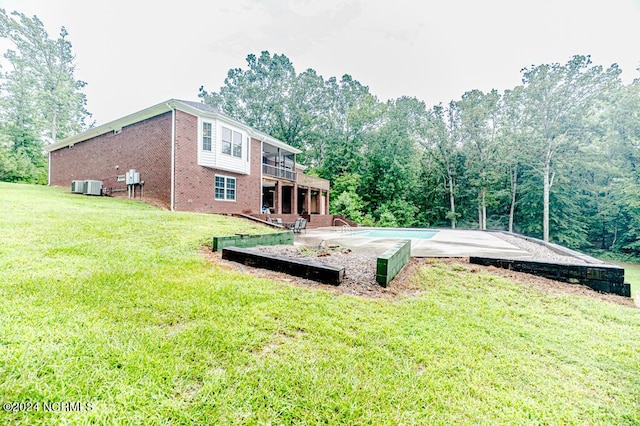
pixel 446 243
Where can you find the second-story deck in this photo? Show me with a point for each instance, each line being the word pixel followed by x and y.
pixel 298 177
pixel 278 172
pixel 280 162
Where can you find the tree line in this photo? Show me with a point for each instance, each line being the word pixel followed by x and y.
pixel 555 157
pixel 40 99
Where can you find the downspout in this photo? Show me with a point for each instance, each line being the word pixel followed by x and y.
pixel 173 156
pixel 261 177
pixel 49 172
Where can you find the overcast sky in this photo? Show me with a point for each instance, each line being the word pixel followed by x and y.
pixel 137 53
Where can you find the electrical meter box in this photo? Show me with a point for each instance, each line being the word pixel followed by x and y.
pixel 132 177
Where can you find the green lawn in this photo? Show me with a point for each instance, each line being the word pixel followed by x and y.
pixel 631 270
pixel 110 303
pixel 632 276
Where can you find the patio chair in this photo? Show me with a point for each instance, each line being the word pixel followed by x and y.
pixel 301 223
pixel 294 225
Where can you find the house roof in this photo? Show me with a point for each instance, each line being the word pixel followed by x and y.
pixel 194 108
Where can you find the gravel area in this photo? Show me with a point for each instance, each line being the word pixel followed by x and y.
pixel 360 268
pixel 538 251
pixel 359 272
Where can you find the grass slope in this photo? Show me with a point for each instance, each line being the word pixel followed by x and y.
pixel 631 270
pixel 632 275
pixel 109 302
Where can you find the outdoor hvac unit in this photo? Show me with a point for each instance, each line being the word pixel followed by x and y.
pixel 77 186
pixel 93 187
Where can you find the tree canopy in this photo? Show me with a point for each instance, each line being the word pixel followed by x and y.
pixel 555 157
pixel 40 99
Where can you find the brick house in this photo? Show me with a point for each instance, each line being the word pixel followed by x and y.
pixel 193 158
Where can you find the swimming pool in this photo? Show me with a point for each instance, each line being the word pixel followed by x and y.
pixel 399 233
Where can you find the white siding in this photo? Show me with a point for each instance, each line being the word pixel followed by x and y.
pixel 215 158
pixel 207 158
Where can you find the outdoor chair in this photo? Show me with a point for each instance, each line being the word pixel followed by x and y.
pixel 294 226
pixel 301 223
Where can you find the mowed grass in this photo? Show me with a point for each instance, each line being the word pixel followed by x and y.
pixel 632 276
pixel 110 303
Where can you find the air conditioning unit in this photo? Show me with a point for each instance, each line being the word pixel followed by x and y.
pixel 93 187
pixel 77 186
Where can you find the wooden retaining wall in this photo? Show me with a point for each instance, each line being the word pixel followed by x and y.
pixel 604 278
pixel 252 240
pixel 391 262
pixel 309 269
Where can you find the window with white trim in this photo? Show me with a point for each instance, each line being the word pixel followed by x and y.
pixel 206 136
pixel 225 188
pixel 231 142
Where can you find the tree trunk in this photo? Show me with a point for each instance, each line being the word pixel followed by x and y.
pixel 452 203
pixel 615 232
pixel 482 207
pixel 514 187
pixel 545 210
pixel 483 210
pixel 603 236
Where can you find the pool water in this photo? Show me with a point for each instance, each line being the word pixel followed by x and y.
pixel 407 234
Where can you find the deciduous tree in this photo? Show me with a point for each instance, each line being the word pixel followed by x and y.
pixel 558 100
pixel 44 69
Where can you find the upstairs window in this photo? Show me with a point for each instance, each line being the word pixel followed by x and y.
pixel 237 145
pixel 231 142
pixel 206 136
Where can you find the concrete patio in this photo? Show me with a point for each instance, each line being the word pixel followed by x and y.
pixel 446 243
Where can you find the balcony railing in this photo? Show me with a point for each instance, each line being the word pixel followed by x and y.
pixel 278 172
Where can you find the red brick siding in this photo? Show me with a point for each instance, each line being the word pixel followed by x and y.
pixel 144 146
pixel 195 184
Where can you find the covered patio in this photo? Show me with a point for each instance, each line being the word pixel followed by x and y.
pixel 285 192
